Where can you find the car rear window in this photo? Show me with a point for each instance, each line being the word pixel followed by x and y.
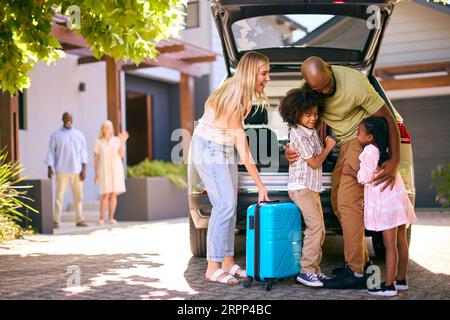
pixel 300 30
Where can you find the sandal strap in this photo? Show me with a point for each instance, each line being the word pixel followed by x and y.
pixel 234 269
pixel 216 274
pixel 226 279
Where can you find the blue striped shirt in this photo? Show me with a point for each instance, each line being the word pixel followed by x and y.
pixel 67 151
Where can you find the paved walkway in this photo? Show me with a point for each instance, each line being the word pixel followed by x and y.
pixel 153 261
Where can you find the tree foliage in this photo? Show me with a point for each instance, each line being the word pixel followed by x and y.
pixel 122 29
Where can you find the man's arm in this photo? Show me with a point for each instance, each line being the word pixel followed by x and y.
pixel 348 170
pixel 50 160
pixel 388 169
pixel 84 158
pixel 291 154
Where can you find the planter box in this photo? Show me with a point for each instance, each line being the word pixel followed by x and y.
pixel 41 193
pixel 151 198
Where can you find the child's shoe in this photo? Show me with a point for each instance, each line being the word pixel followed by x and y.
pixel 383 290
pixel 401 285
pixel 322 277
pixel 309 279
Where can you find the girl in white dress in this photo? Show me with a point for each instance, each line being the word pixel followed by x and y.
pixel 109 170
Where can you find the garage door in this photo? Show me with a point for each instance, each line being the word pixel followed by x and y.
pixel 428 122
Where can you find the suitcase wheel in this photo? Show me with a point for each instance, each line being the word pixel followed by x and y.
pixel 269 285
pixel 248 282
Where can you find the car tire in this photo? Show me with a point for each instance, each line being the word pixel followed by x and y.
pixel 378 245
pixel 197 239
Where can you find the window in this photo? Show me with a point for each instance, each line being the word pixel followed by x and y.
pixel 22 110
pixel 192 18
pixel 300 30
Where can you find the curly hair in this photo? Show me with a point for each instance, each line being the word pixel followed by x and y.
pixel 297 102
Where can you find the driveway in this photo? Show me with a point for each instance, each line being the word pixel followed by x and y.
pixel 153 261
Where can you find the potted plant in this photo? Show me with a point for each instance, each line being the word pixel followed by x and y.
pixel 12 200
pixel 155 190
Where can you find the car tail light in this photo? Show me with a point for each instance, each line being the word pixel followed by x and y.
pixel 404 134
pixel 338 1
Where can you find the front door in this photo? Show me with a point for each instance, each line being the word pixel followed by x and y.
pixel 139 127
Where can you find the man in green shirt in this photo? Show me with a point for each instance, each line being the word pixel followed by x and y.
pixel 350 98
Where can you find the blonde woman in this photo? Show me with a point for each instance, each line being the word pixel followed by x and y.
pixel 109 170
pixel 216 139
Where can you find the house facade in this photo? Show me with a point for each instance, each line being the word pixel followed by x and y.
pixel 413 66
pixel 150 98
pixel 414 69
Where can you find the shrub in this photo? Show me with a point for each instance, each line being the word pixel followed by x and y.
pixel 10 199
pixel 176 173
pixel 441 181
pixel 10 230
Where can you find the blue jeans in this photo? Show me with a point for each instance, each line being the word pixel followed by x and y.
pixel 217 167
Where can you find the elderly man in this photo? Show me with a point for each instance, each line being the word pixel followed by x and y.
pixel 67 156
pixel 349 98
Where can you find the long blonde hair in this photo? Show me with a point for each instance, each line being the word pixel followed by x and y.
pixel 107 122
pixel 236 92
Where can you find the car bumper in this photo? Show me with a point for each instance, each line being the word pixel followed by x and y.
pixel 200 208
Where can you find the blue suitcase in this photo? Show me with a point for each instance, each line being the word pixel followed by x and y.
pixel 273 246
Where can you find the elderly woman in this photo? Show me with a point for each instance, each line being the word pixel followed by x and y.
pixel 109 170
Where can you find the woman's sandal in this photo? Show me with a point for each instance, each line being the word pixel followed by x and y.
pixel 234 269
pixel 223 280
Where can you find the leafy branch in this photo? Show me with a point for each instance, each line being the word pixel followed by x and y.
pixel 122 29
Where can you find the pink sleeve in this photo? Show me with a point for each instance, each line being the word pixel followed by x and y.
pixel 369 163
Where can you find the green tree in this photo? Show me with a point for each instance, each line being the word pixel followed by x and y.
pixel 122 29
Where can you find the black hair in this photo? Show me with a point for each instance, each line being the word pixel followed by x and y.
pixel 378 128
pixel 297 102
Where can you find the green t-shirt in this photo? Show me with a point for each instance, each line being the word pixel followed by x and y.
pixel 354 100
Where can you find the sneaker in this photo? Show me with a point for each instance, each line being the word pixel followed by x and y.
pixel 345 280
pixel 101 222
pixel 383 290
pixel 82 224
pixel 322 277
pixel 401 285
pixel 55 225
pixel 309 279
pixel 113 221
pixel 338 270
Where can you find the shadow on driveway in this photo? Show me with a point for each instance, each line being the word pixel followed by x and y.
pixel 423 283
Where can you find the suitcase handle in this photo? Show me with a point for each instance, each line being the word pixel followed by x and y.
pixel 271 201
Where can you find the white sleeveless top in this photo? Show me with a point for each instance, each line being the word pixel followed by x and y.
pixel 207 128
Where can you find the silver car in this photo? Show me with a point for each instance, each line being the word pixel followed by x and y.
pixel 342 33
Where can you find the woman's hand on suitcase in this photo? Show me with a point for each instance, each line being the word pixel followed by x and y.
pixel 263 195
